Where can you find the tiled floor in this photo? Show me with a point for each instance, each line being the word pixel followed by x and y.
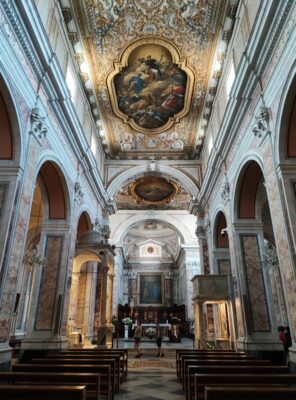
pixel 151 385
pixel 151 377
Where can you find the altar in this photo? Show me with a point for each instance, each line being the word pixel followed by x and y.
pixel 163 327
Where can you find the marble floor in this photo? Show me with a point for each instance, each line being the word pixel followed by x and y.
pixel 151 377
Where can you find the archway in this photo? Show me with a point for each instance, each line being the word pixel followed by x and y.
pixel 41 298
pixel 84 289
pixel 255 288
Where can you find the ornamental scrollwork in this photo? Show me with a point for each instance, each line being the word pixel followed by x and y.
pixel 262 123
pixel 38 126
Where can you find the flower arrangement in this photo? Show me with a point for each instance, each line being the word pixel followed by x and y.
pixel 127 321
pixel 150 332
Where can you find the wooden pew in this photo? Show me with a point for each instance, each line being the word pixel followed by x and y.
pixel 228 369
pixel 247 393
pixel 202 380
pixel 180 352
pixel 107 378
pixel 113 362
pixel 95 350
pixel 91 381
pixel 184 357
pixel 217 362
pixel 87 355
pixel 36 392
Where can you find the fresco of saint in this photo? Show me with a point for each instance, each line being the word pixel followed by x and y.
pixel 151 88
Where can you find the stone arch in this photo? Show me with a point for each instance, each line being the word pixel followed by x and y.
pixel 139 171
pixel 122 228
pixel 220 238
pixel 285 130
pixel 56 189
pixel 246 185
pixel 10 125
pixel 84 223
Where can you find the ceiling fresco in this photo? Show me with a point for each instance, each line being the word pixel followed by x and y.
pixel 151 62
pixel 152 92
pixel 152 191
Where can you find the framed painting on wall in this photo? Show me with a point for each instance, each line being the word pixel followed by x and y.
pixel 151 289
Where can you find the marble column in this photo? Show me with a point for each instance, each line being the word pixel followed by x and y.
pixel 109 311
pixel 102 330
pixel 199 328
pixel 202 230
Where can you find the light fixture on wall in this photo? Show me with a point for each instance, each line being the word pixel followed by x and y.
pixel 224 232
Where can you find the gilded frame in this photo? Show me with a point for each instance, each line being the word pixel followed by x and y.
pixel 123 62
pixel 155 285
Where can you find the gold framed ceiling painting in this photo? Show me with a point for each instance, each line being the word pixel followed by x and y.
pixel 150 87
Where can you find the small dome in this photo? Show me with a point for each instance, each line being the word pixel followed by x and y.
pixel 90 237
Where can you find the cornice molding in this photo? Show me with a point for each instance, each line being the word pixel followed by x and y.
pixel 246 82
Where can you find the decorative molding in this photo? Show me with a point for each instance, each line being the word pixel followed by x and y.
pixel 38 126
pixel 21 34
pixel 78 192
pixel 225 192
pixel 262 123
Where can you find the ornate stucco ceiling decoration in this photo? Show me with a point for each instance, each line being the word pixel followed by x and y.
pixel 191 33
pixel 164 236
pixel 153 191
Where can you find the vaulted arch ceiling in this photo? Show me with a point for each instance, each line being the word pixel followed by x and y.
pixel 153 70
pixel 151 240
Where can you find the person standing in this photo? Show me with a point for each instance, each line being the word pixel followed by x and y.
pixel 159 341
pixel 288 339
pixel 138 335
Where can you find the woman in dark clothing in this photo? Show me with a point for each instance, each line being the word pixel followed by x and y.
pixel 159 341
pixel 288 339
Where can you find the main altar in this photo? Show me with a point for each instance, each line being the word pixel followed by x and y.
pixel 164 328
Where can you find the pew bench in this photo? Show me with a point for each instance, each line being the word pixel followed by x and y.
pixel 229 369
pixel 184 357
pixel 90 356
pixel 114 364
pixel 197 352
pixel 107 378
pixel 91 381
pixel 122 352
pixel 247 393
pixel 202 380
pixel 218 362
pixel 37 392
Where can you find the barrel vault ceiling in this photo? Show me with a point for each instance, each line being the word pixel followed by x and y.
pixel 154 67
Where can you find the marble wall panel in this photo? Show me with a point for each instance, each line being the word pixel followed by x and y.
pixel 47 294
pixel 224 267
pixel 81 300
pixel 3 193
pixel 255 285
pixel 205 253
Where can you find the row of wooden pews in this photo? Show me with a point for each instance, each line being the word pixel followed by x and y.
pixel 227 375
pixel 74 374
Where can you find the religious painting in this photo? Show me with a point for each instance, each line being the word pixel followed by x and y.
pixel 153 190
pixel 150 88
pixel 150 289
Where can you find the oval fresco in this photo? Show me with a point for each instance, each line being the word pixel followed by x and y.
pixel 153 190
pixel 151 88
